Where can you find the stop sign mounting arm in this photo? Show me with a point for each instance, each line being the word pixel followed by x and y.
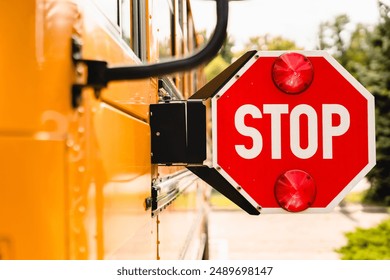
pixel 219 183
pixel 179 136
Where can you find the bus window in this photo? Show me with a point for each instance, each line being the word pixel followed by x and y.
pixel 163 11
pixel 138 28
pixel 110 9
pixel 125 20
pixel 121 15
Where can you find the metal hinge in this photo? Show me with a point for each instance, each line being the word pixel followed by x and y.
pixel 89 73
pixel 178 132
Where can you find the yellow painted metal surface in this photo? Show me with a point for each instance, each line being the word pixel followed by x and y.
pixel 35 68
pixel 33 200
pixel 124 145
pixel 101 41
pixel 35 74
pixel 68 175
pixel 120 150
pixel 184 239
pixel 73 181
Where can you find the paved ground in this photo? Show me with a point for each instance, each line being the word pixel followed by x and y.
pixel 237 235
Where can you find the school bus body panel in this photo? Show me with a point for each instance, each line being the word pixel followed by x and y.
pixel 35 74
pixel 122 161
pixel 35 67
pixel 32 211
pixel 101 41
pixel 124 147
pixel 186 239
pixel 74 182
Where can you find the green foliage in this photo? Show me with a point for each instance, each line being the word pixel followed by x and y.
pixel 216 66
pixel 226 50
pixel 368 244
pixel 333 37
pixel 350 47
pixel 365 53
pixel 270 43
pixel 377 78
pixel 355 197
pixel 226 56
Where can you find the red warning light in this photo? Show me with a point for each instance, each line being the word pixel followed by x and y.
pixel 292 73
pixel 295 190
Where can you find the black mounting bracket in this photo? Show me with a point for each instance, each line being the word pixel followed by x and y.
pixel 95 73
pixel 98 74
pixel 178 133
pixel 209 174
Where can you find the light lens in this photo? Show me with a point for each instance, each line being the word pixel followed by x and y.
pixel 295 190
pixel 292 73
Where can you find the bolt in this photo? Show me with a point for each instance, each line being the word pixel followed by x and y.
pixel 82 209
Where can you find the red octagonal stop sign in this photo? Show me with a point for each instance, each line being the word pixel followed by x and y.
pixel 295 138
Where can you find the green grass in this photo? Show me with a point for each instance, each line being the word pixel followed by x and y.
pixel 218 201
pixel 355 197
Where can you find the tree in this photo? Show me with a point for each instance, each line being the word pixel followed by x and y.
pixel 349 46
pixel 270 43
pixel 377 79
pixel 221 61
pixel 226 56
pixel 334 37
pixel 216 66
pixel 365 54
pixel 226 50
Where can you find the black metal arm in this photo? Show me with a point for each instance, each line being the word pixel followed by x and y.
pixel 164 68
pixel 99 73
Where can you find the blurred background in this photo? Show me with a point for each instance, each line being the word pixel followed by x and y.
pixel 357 34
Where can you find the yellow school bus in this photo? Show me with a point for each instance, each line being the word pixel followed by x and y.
pixel 76 176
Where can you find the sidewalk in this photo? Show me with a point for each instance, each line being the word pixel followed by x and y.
pixel 237 235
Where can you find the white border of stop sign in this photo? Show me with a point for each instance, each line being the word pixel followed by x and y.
pixel 277 110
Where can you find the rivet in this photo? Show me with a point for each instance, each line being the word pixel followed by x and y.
pixel 79 70
pixel 69 143
pixel 81 209
pixel 81 169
